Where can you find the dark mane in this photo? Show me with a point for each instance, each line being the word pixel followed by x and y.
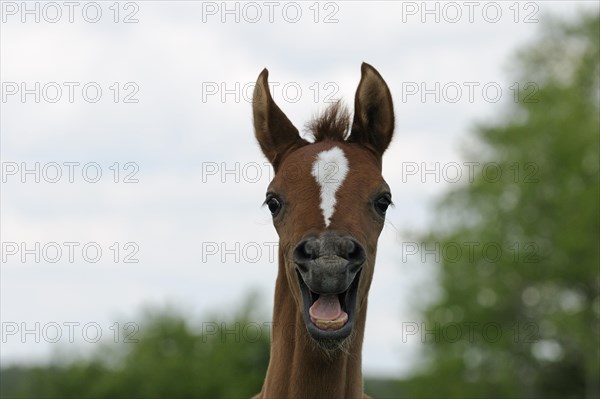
pixel 332 124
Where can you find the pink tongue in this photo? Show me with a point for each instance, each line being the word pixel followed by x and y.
pixel 327 307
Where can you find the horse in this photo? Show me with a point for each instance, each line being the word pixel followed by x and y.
pixel 328 202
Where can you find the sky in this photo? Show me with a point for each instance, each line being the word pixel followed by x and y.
pixel 131 177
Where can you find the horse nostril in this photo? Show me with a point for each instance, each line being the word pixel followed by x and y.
pixel 304 253
pixel 354 252
pixel 351 248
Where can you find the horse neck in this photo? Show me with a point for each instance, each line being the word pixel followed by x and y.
pixel 299 369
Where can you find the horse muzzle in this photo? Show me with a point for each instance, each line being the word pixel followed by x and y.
pixel 328 269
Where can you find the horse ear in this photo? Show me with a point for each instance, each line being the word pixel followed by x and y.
pixel 373 123
pixel 274 131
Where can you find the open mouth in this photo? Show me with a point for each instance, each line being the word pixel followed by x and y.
pixel 329 316
pixel 328 312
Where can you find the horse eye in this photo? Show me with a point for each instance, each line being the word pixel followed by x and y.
pixel 274 205
pixel 382 203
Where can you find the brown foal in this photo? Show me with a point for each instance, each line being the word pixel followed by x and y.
pixel 328 201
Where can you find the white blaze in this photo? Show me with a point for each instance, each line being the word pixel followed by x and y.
pixel 329 170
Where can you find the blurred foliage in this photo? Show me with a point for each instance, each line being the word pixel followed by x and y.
pixel 170 360
pixel 542 294
pixel 541 290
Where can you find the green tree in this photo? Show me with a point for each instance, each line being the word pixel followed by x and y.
pixel 542 293
pixel 170 360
